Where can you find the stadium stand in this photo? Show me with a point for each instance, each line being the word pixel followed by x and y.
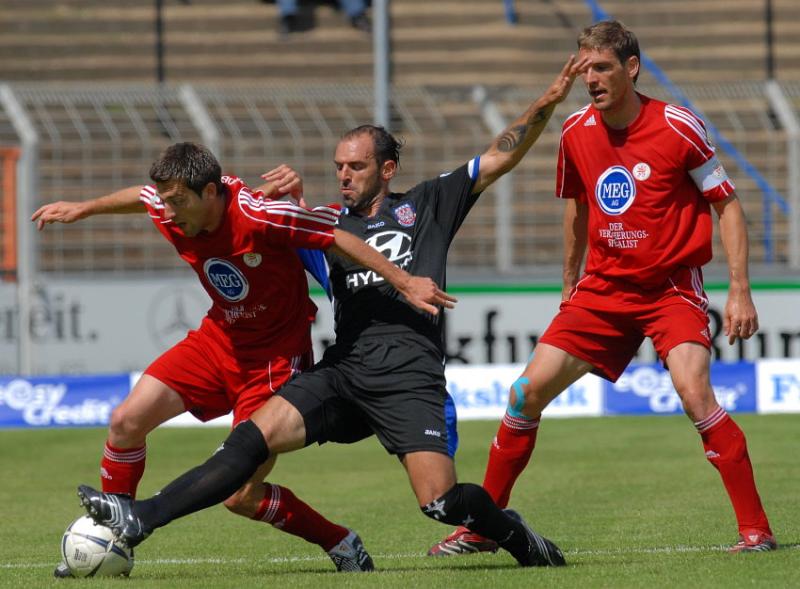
pixel 443 43
pixel 101 120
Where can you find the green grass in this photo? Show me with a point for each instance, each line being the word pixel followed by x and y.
pixel 631 501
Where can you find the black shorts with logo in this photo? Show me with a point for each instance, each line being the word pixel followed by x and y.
pixel 392 386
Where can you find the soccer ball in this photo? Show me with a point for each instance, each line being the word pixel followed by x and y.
pixel 89 550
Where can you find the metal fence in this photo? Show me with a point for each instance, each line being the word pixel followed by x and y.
pixel 82 141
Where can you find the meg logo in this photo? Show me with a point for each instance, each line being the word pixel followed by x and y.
pixel 226 279
pixel 615 190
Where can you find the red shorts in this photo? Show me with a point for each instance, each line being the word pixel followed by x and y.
pixel 605 321
pixel 213 383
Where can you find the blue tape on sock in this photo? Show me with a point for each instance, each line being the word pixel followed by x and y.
pixel 519 405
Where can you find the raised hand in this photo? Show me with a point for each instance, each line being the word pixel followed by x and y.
pixel 561 86
pixel 283 181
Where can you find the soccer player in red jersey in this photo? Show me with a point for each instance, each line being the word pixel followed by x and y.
pixel 243 246
pixel 639 178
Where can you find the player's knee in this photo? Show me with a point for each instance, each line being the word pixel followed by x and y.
pixel 432 492
pixel 457 504
pixel 522 399
pixel 698 401
pixel 125 427
pixel 441 507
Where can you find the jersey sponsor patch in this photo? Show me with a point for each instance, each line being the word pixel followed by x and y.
pixel 615 190
pixel 393 245
pixel 226 279
pixel 405 214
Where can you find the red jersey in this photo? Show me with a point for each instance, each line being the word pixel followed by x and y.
pixel 251 271
pixel 648 188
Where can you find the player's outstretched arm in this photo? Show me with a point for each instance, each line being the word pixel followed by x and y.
pixel 511 145
pixel 421 292
pixel 121 201
pixel 740 318
pixel 283 181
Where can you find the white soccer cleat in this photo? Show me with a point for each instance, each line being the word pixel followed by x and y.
pixel 350 556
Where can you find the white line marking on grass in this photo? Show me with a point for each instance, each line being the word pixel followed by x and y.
pixel 320 558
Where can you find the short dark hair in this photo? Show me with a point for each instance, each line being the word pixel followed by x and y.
pixel 611 34
pixel 387 148
pixel 191 163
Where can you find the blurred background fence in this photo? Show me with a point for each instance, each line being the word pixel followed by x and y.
pixel 92 139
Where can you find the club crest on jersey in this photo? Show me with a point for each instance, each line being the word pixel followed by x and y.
pixel 252 259
pixel 615 190
pixel 226 279
pixel 641 171
pixel 405 214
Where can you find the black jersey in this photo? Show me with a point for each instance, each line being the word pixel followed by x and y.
pixel 414 231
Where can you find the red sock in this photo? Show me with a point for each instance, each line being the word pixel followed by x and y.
pixel 286 512
pixel 726 450
pixel 121 469
pixel 509 455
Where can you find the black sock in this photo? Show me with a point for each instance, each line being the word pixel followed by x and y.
pixel 469 505
pixel 214 481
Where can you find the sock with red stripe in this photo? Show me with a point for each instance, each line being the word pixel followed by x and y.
pixel 121 469
pixel 509 455
pixel 726 450
pixel 281 508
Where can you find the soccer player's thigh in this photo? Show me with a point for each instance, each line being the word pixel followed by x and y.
pixel 550 371
pixel 191 370
pixel 149 404
pixel 181 379
pixel 681 338
pixel 309 409
pixel 577 341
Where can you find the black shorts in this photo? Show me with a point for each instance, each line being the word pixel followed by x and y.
pixel 392 387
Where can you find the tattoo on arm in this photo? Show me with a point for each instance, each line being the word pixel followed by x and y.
pixel 537 117
pixel 511 139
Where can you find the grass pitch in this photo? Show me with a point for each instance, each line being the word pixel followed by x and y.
pixel 630 500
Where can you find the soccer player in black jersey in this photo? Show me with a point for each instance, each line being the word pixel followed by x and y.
pixel 385 373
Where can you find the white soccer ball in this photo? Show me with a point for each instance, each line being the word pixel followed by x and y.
pixel 89 550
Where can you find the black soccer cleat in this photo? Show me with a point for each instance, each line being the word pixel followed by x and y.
pixel 542 552
pixel 115 512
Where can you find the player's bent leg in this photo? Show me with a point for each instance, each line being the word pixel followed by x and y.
pixel 234 462
pixel 689 368
pixel 280 507
pixel 249 497
pixel 724 444
pixel 550 371
pixel 148 405
pixel 469 505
